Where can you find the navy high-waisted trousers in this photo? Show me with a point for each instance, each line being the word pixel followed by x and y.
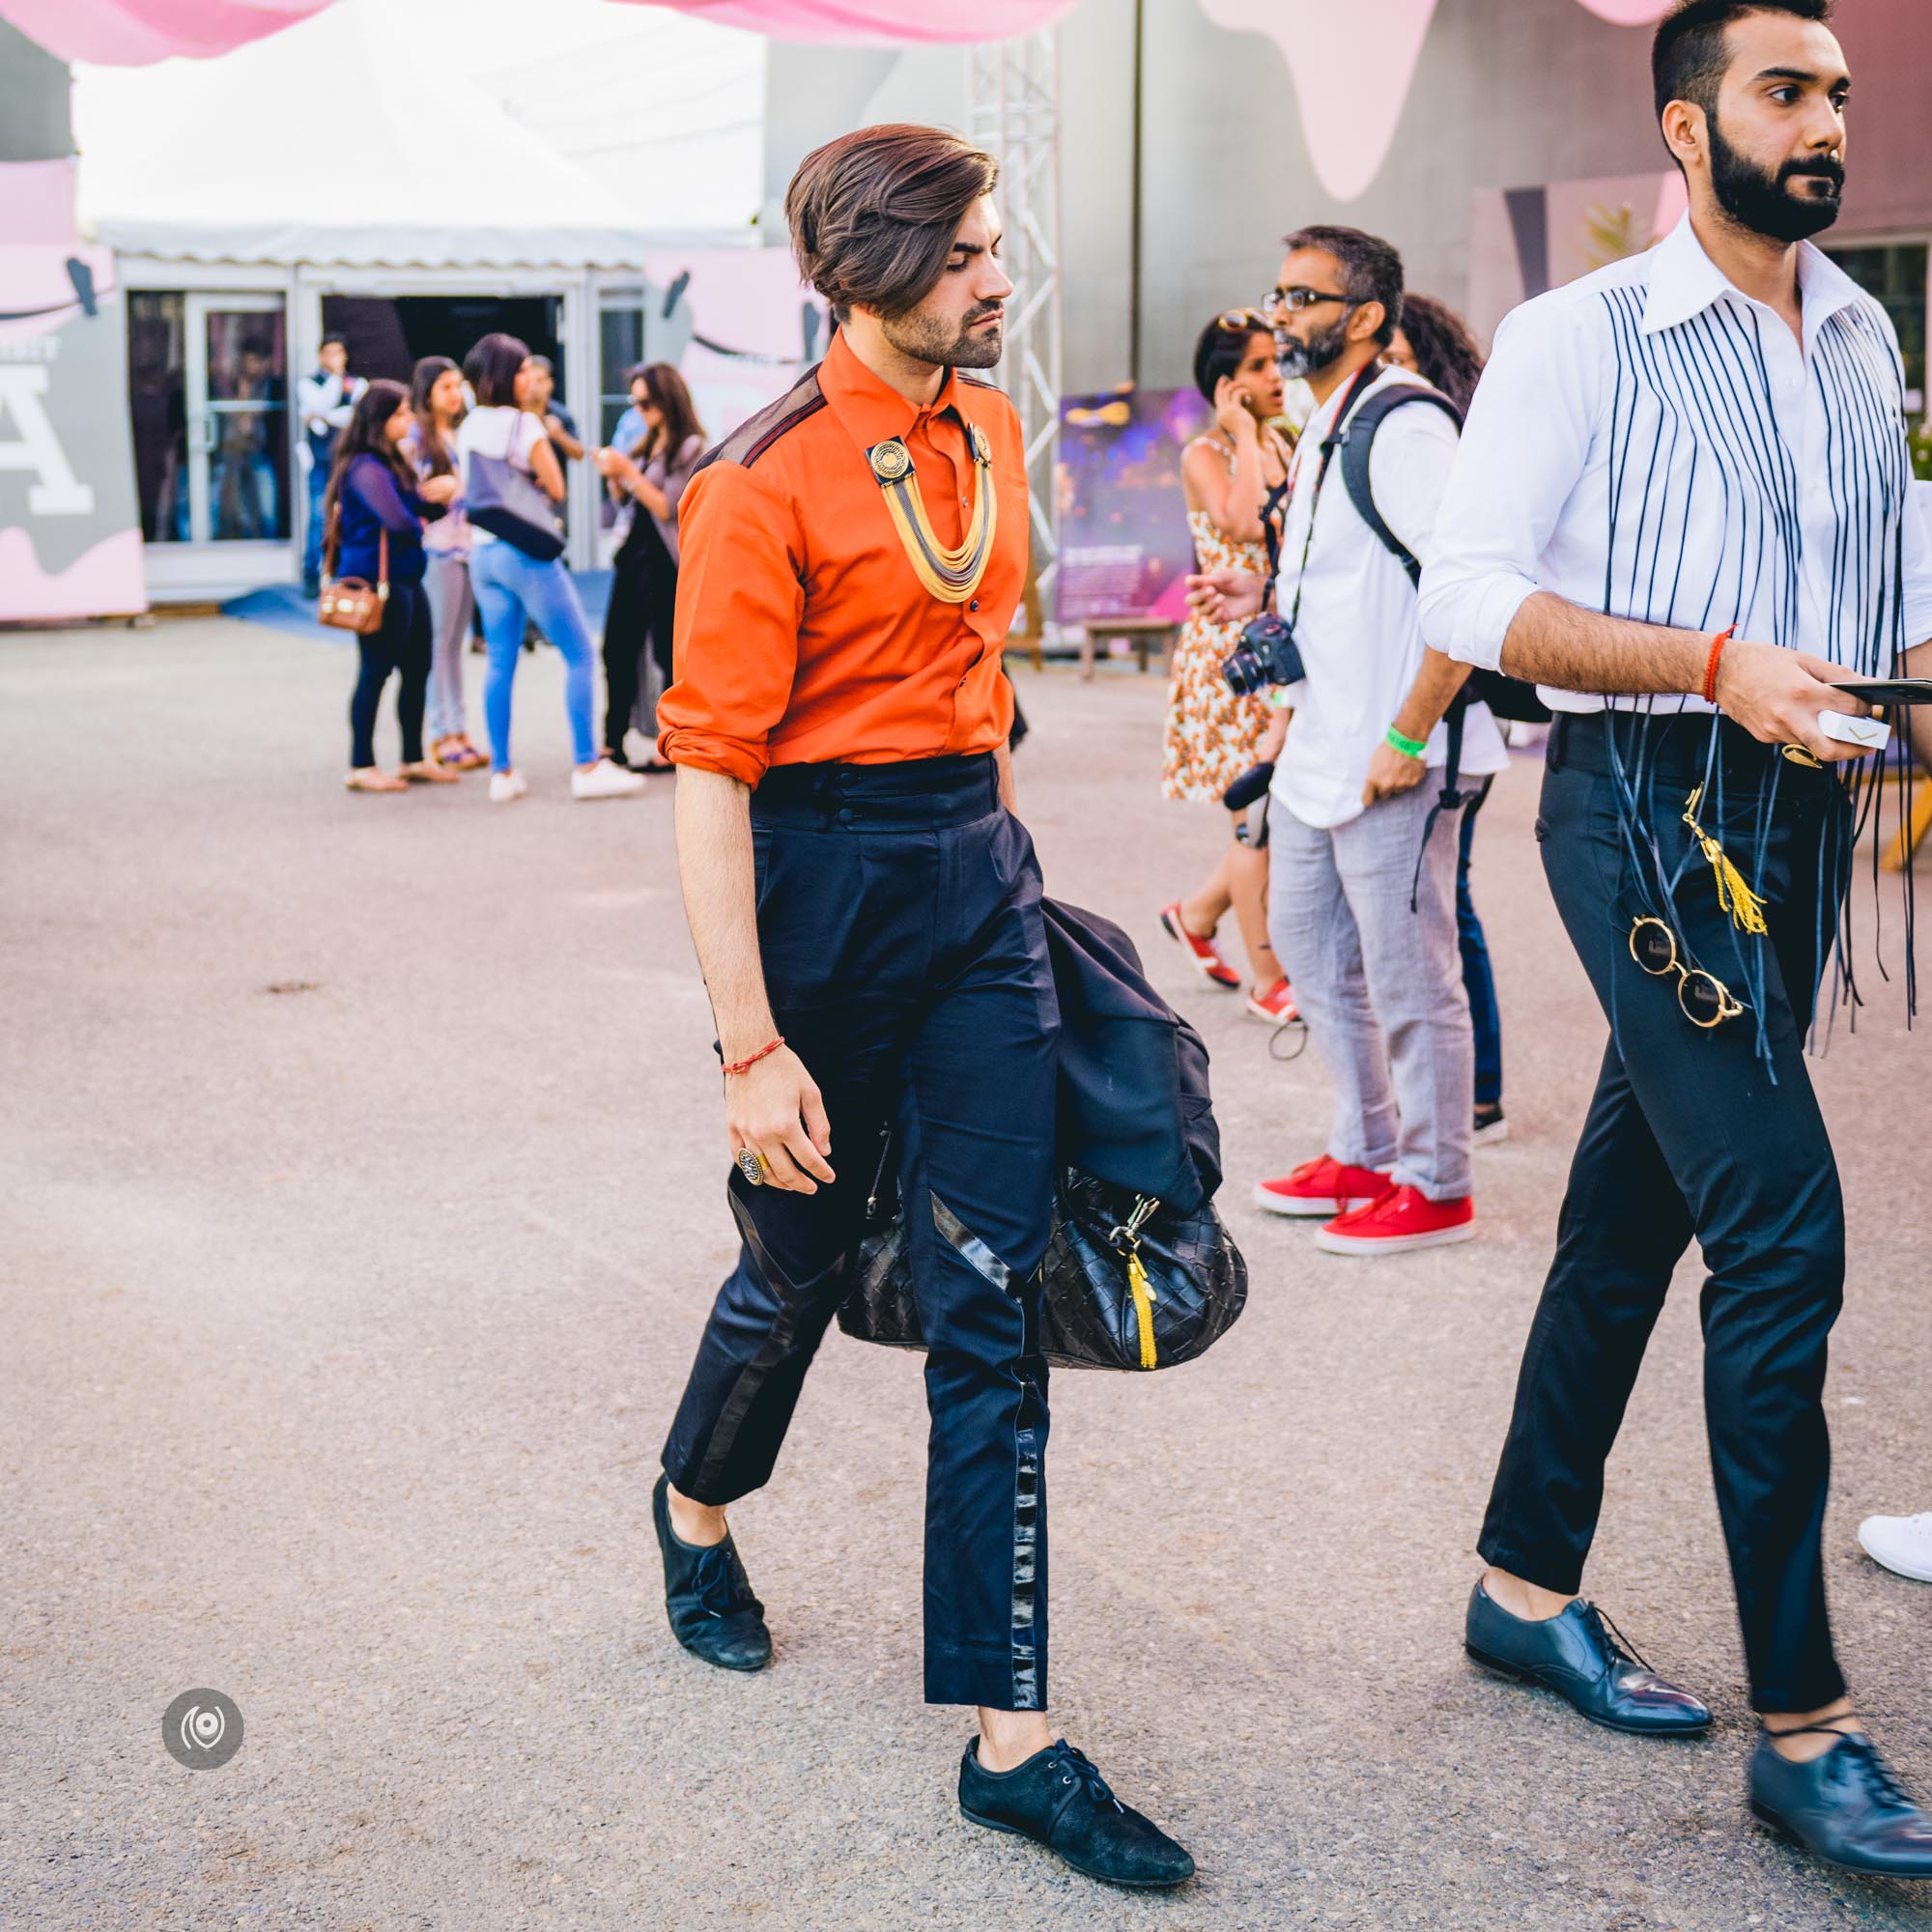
pixel 899 921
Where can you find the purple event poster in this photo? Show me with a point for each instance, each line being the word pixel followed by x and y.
pixel 1124 550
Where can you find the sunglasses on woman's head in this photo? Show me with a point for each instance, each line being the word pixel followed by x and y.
pixel 1240 321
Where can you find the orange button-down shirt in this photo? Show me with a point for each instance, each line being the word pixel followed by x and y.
pixel 803 633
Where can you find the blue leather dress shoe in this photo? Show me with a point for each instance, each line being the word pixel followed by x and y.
pixel 1581 1656
pixel 1057 1799
pixel 1845 1808
pixel 708 1597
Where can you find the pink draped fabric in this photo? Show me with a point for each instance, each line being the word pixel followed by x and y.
pixel 130 33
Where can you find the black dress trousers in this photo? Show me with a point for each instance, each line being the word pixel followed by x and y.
pixel 905 956
pixel 1692 1133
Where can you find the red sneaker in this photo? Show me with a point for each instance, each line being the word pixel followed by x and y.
pixel 1404 1218
pixel 1322 1187
pixel 1276 1006
pixel 1202 954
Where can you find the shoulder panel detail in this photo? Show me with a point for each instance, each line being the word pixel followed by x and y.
pixel 756 434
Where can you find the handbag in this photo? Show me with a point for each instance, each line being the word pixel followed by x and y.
pixel 1128 1282
pixel 506 502
pixel 1139 1272
pixel 353 603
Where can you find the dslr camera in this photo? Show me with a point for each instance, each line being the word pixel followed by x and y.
pixel 1267 654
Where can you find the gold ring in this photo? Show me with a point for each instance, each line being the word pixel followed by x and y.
pixel 752 1165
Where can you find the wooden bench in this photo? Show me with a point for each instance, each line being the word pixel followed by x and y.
pixel 1147 635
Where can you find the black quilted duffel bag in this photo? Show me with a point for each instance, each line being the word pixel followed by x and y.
pixel 1127 1283
pixel 1139 1271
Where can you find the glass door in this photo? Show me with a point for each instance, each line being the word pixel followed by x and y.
pixel 238 418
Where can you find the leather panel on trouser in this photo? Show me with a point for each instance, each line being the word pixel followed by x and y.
pixel 794 1297
pixel 1027 1690
pixel 983 1261
pixel 1026 1695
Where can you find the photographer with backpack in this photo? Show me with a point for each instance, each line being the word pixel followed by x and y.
pixel 1362 897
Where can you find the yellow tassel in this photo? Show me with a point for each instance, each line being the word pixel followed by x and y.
pixel 1734 891
pixel 1143 1293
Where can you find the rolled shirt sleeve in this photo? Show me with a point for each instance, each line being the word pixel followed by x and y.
pixel 1524 450
pixel 740 602
pixel 1917 589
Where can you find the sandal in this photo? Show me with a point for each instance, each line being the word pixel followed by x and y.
pixel 426 771
pixel 373 778
pixel 467 757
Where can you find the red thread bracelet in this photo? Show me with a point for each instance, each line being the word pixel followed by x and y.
pixel 745 1066
pixel 1717 645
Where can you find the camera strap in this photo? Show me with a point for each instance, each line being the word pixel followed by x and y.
pixel 1330 444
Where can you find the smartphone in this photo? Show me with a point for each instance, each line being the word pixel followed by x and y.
pixel 1885 691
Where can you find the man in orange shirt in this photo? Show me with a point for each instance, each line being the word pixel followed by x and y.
pixel 866 912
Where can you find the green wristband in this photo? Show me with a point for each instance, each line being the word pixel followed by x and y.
pixel 1410 748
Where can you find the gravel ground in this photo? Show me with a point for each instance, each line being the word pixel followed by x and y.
pixel 360 1173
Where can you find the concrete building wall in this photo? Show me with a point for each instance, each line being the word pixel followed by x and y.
pixel 1506 93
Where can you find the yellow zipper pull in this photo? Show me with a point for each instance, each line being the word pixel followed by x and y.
pixel 1141 1291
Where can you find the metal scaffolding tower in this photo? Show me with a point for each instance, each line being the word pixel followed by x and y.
pixel 1014 113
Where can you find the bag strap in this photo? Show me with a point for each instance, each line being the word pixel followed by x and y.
pixel 1271 537
pixel 1450 798
pixel 1364 381
pixel 1357 438
pixel 331 543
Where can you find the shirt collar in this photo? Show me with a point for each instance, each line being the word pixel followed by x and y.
pixel 870 411
pixel 1684 282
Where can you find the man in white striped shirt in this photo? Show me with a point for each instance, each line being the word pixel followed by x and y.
pixel 1684 490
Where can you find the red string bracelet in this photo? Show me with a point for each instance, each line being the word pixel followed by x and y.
pixel 1717 645
pixel 745 1066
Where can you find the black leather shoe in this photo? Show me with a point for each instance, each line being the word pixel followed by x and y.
pixel 1581 1656
pixel 1057 1799
pixel 1845 1808
pixel 708 1597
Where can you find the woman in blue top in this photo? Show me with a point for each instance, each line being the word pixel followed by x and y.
pixel 372 492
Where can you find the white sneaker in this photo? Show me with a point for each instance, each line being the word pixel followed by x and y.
pixel 506 786
pixel 604 779
pixel 1901 1542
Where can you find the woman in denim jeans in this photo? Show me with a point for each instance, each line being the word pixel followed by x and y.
pixel 512 587
pixel 435 401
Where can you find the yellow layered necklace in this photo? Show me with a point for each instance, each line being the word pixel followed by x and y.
pixel 951 575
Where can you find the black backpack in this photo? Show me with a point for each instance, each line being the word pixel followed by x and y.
pixel 1505 696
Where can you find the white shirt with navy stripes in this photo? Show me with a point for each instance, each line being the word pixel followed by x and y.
pixel 1654 443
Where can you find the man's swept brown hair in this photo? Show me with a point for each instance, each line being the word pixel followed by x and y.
pixel 873 214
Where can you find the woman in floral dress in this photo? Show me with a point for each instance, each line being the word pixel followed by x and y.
pixel 1214 736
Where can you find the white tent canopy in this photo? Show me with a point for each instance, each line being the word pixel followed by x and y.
pixel 352 139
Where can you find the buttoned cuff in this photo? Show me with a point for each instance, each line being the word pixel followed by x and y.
pixel 731 757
